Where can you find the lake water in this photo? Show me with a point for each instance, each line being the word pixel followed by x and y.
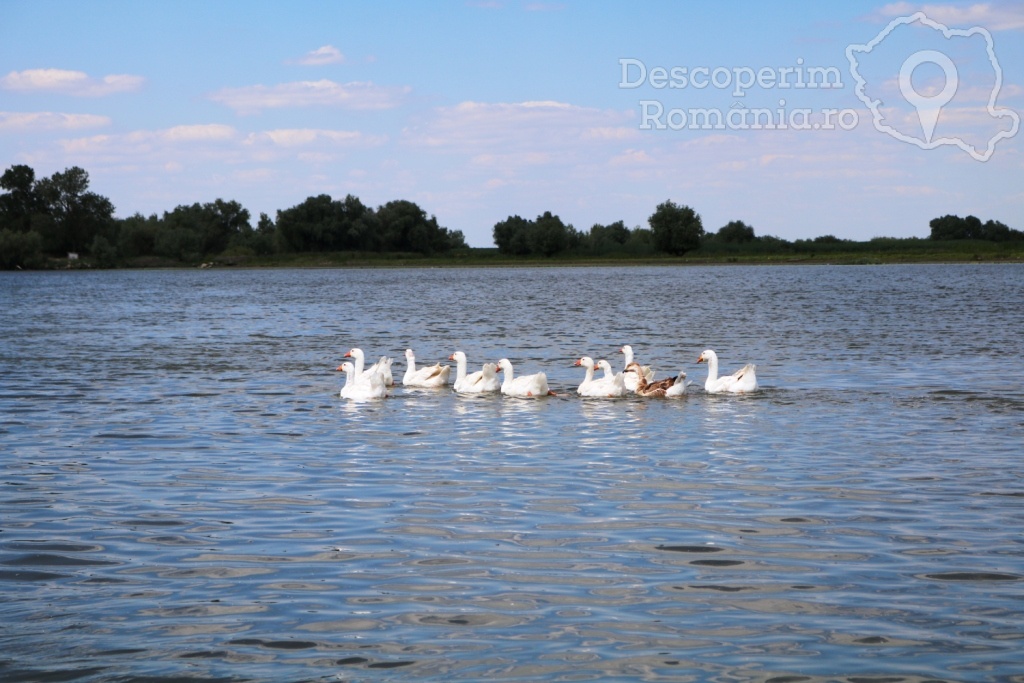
pixel 184 494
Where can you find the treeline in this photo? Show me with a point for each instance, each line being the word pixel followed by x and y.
pixel 43 221
pixel 47 218
pixel 678 230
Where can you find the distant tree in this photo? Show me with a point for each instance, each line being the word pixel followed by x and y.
pixel 103 252
pixel 948 227
pixel 548 235
pixel 201 229
pixel 136 235
pixel 21 201
pixel 20 249
pixel 511 236
pixel 604 239
pixel 735 231
pixel 264 238
pixel 1000 232
pixel 75 215
pixel 677 229
pixel 312 225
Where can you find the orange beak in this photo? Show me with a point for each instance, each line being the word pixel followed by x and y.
pixel 348 354
pixel 701 359
pixel 339 368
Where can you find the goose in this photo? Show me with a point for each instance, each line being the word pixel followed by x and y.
pixel 358 390
pixel 431 376
pixel 631 378
pixel 743 380
pixel 608 386
pixel 678 387
pixel 657 389
pixel 479 382
pixel 381 367
pixel 527 386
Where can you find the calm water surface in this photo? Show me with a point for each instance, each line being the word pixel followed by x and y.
pixel 184 495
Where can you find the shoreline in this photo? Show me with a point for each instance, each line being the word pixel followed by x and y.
pixel 1009 254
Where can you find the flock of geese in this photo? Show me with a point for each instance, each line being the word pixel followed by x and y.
pixel 363 383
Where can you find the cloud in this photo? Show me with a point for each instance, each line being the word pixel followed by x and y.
pixel 300 137
pixel 45 120
pixel 327 54
pixel 517 127
pixel 199 133
pixel 76 83
pixel 324 93
pixel 1003 17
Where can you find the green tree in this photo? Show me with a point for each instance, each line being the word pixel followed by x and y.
pixel 511 236
pixel 20 249
pixel 75 215
pixel 1000 232
pixel 736 232
pixel 264 238
pixel 21 201
pixel 548 235
pixel 136 235
pixel 677 229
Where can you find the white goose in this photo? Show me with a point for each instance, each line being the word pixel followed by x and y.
pixel 679 387
pixel 429 377
pixel 361 390
pixel 527 386
pixel 381 367
pixel 609 386
pixel 743 380
pixel 479 382
pixel 631 378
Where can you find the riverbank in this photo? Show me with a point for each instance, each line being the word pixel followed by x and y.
pixel 875 252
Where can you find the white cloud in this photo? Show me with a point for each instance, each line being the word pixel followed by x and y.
pixel 325 93
pixel 45 120
pixel 77 83
pixel 322 56
pixel 198 133
pixel 1001 17
pixel 298 137
pixel 519 127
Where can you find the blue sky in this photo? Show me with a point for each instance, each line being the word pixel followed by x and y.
pixel 480 110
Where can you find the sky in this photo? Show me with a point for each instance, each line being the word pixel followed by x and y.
pixel 802 119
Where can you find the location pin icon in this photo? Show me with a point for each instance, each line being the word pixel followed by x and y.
pixel 928 108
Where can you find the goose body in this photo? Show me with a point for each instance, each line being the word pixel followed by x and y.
pixel 431 376
pixel 678 387
pixel 479 382
pixel 630 378
pixel 741 381
pixel 382 367
pixel 527 386
pixel 648 389
pixel 611 385
pixel 357 388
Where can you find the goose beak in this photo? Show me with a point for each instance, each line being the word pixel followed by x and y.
pixel 348 354
pixel 339 368
pixel 451 357
pixel 577 363
pixel 701 359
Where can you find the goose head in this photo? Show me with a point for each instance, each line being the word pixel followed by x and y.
pixel 584 362
pixel 458 357
pixel 707 356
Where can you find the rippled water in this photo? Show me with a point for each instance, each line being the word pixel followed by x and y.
pixel 184 494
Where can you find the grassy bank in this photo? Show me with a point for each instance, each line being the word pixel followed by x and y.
pixel 839 253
